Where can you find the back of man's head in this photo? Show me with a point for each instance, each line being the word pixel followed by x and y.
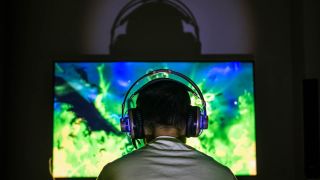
pixel 164 104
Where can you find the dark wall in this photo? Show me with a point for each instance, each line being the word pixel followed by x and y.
pixel 285 51
pixel 311 41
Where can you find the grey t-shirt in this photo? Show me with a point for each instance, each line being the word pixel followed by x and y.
pixel 166 158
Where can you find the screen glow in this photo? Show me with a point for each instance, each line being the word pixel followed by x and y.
pixel 87 109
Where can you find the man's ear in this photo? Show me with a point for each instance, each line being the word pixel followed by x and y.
pixel 147 131
pixel 182 132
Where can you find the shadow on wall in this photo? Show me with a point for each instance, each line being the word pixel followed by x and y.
pixel 225 26
pixel 155 28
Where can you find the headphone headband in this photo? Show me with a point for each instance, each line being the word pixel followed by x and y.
pixel 169 72
pixel 177 4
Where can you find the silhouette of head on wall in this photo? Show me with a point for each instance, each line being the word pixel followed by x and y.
pixel 155 27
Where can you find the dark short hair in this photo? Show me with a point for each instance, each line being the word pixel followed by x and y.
pixel 164 103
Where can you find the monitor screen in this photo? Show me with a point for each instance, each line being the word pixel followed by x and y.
pixel 87 110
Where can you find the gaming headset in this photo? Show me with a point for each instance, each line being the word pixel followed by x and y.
pixel 132 122
pixel 120 43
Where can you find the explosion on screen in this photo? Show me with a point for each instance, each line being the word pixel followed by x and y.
pixel 87 109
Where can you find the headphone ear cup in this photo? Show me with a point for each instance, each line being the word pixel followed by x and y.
pixel 194 44
pixel 197 47
pixel 119 45
pixel 193 122
pixel 137 123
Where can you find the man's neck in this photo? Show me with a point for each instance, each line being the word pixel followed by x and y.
pixel 166 131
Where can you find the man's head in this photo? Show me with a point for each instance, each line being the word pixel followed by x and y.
pixel 164 105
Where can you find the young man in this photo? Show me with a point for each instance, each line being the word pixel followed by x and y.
pixel 164 107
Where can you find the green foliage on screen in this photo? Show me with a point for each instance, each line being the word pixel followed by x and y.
pixel 87 109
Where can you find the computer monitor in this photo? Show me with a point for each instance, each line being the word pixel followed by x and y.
pixel 88 93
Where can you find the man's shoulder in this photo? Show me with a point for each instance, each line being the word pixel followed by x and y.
pixel 204 157
pixel 127 158
pixel 112 169
pixel 206 162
